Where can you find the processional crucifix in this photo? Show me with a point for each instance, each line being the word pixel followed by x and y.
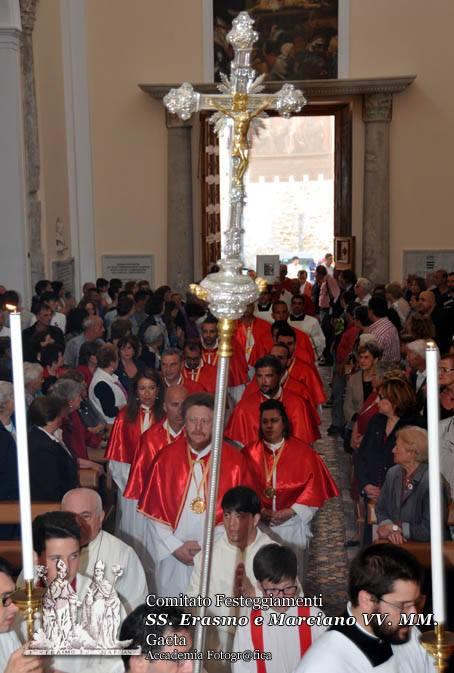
pixel 228 292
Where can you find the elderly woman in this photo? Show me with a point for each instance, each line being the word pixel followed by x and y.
pixel 360 385
pixel 9 487
pixel 74 435
pixel 53 468
pixel 402 508
pixel 106 392
pixel 33 380
pixel 153 342
pixel 8 453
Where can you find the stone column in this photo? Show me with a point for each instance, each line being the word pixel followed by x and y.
pixel 180 251
pixel 14 267
pixel 377 115
pixel 32 159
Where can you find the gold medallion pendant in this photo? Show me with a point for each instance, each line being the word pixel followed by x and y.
pixel 198 505
pixel 269 492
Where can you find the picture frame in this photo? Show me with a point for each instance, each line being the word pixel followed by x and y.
pixel 268 267
pixel 298 39
pixel 344 252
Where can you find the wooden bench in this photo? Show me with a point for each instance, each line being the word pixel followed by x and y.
pixel 422 552
pixel 11 550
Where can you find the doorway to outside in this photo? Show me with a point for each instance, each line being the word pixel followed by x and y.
pixel 290 187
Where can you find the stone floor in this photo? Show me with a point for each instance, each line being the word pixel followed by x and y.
pixel 333 525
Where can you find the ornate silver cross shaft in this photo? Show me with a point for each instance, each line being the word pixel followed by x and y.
pixel 240 100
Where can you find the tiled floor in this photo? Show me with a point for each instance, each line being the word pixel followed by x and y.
pixel 333 525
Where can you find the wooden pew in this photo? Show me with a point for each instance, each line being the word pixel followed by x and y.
pixel 88 478
pixel 11 550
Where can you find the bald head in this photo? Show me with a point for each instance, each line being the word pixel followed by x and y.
pixel 87 504
pixel 426 302
pixel 173 404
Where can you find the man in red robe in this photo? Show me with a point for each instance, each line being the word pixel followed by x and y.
pixel 159 435
pixel 299 369
pixel 238 369
pixel 301 378
pixel 171 368
pixel 175 496
pixel 243 425
pixel 290 478
pixel 252 336
pixel 304 348
pixel 195 370
pixel 281 352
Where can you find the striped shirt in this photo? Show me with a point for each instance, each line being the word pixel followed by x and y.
pixel 387 337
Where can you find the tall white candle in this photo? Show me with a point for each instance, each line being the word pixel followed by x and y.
pixel 22 445
pixel 436 509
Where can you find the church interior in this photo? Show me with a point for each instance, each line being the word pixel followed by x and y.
pixel 226 351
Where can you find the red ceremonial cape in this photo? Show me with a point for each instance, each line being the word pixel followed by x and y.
pixel 151 442
pixel 124 439
pixel 308 374
pixel 301 476
pixel 164 495
pixel 243 425
pixel 304 349
pixel 204 376
pixel 238 369
pixel 263 341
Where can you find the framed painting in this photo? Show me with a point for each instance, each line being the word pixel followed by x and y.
pixel 344 252
pixel 298 38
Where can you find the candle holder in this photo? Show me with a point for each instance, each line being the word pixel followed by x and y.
pixel 28 599
pixel 440 645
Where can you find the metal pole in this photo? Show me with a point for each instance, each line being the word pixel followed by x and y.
pixel 226 328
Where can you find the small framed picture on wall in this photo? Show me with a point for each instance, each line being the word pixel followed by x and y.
pixel 344 252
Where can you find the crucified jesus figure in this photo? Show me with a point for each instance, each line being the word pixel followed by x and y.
pixel 242 118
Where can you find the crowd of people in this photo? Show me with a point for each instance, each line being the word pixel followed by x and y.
pixel 129 373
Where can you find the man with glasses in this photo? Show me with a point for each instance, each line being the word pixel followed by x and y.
pixel 385 582
pixel 175 495
pixel 12 659
pixel 275 569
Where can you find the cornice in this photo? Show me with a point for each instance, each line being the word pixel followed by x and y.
pixel 313 89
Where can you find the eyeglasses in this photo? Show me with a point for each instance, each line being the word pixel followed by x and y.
pixel 273 592
pixel 446 370
pixel 6 599
pixel 198 421
pixel 418 604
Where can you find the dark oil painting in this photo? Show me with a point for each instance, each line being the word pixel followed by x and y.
pixel 298 38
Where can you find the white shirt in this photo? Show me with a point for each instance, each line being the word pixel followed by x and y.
pixel 9 643
pixel 282 641
pixel 223 566
pixel 132 585
pixel 173 575
pixel 311 326
pixel 337 653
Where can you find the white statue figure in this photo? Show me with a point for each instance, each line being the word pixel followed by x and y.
pixel 60 608
pixel 60 243
pixel 101 608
